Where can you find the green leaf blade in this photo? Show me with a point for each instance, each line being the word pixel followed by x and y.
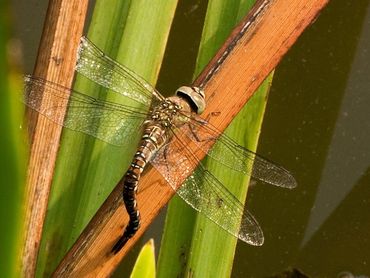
pixel 13 152
pixel 87 169
pixel 191 243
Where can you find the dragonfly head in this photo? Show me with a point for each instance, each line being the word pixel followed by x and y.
pixel 194 96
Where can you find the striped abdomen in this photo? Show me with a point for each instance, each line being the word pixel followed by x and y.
pixel 154 137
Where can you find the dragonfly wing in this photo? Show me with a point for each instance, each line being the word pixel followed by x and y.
pixel 100 68
pixel 205 193
pixel 107 121
pixel 230 154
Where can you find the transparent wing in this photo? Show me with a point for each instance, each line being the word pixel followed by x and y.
pixel 229 153
pixel 107 121
pixel 205 193
pixel 98 67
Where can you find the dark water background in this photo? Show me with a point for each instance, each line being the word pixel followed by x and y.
pixel 317 124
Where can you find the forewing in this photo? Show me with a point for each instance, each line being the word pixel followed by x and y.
pixel 230 154
pixel 107 121
pixel 98 67
pixel 205 193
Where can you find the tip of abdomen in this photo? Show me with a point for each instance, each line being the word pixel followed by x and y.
pixel 119 244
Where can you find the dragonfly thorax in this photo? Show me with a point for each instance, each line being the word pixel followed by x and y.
pixel 166 113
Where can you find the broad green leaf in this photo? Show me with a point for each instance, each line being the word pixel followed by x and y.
pixel 12 152
pixel 135 34
pixel 192 244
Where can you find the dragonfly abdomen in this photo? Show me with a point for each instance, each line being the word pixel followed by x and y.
pixel 153 139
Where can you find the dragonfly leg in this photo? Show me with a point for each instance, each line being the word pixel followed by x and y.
pixel 197 132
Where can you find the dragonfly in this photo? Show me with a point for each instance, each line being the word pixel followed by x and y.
pixel 163 123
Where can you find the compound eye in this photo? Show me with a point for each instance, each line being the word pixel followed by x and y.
pixel 194 96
